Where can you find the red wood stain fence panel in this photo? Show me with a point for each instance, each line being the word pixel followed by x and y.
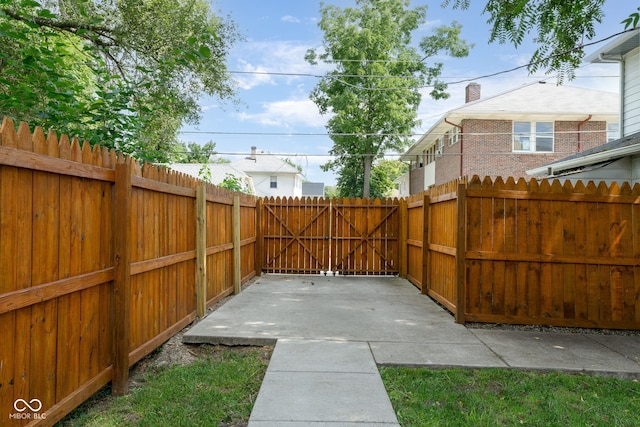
pixel 415 228
pixel 295 235
pixel 551 253
pixel 365 236
pixel 57 204
pixel 442 244
pixel 55 271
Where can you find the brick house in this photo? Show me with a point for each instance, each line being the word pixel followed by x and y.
pixel 510 133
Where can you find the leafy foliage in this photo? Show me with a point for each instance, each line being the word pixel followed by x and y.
pixel 192 152
pixel 233 183
pixel 632 21
pixel 124 73
pixel 561 28
pixel 383 174
pixel 372 95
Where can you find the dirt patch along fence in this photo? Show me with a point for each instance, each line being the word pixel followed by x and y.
pixel 529 252
pixel 101 261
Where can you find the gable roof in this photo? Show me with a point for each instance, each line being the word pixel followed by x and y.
pixel 264 162
pixel 543 101
pixel 629 145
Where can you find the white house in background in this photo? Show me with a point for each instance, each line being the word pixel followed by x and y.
pixel 618 160
pixel 404 185
pixel 272 176
pixel 214 172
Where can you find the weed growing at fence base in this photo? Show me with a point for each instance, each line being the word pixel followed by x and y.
pixel 217 389
pixel 499 397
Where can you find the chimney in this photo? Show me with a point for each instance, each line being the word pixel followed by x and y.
pixel 253 153
pixel 472 92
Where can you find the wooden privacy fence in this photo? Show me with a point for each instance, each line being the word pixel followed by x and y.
pixel 344 236
pixel 101 261
pixel 529 252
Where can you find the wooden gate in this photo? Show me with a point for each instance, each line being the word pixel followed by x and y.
pixel 344 236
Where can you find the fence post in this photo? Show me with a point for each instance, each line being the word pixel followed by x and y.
pixel 461 253
pixel 122 276
pixel 404 230
pixel 237 266
pixel 201 250
pixel 258 251
pixel 426 222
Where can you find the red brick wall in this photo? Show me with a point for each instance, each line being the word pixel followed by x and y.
pixel 487 146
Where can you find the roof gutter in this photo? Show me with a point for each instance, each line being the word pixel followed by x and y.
pixel 580 131
pixel 609 58
pixel 446 120
pixel 602 156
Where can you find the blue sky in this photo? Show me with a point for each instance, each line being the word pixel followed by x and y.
pixel 275 110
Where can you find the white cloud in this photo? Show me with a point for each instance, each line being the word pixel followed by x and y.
pixel 289 18
pixel 287 114
pixel 255 76
pixel 286 57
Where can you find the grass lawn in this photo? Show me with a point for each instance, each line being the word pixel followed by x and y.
pixel 218 389
pixel 502 397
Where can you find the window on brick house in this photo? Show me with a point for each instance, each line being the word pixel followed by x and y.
pixel 454 136
pixel 533 137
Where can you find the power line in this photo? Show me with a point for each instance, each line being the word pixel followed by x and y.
pixel 463 80
pixel 369 134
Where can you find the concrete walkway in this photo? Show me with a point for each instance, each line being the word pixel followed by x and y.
pixel 331 332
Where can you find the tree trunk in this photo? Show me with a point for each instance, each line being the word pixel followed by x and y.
pixel 366 190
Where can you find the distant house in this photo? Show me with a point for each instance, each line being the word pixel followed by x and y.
pixel 618 160
pixel 214 173
pixel 272 176
pixel 313 189
pixel 510 133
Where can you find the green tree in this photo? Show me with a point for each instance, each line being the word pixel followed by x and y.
pixel 192 152
pixel 233 183
pixel 383 174
pixel 125 73
pixel 561 28
pixel 372 95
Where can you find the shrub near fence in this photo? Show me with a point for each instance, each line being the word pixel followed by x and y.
pixel 101 261
pixel 529 252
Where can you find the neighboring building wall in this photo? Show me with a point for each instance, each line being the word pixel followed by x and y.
pixel 287 185
pixel 416 180
pixel 447 166
pixel 488 149
pixel 631 93
pixel 635 170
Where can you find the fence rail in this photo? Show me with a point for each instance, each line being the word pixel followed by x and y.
pixel 99 264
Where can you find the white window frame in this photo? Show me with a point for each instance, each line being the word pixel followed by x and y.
pixel 454 136
pixel 533 135
pixel 273 181
pixel 439 147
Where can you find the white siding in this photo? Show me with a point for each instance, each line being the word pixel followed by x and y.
pixel 288 185
pixel 631 93
pixel 429 175
pixel 635 170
